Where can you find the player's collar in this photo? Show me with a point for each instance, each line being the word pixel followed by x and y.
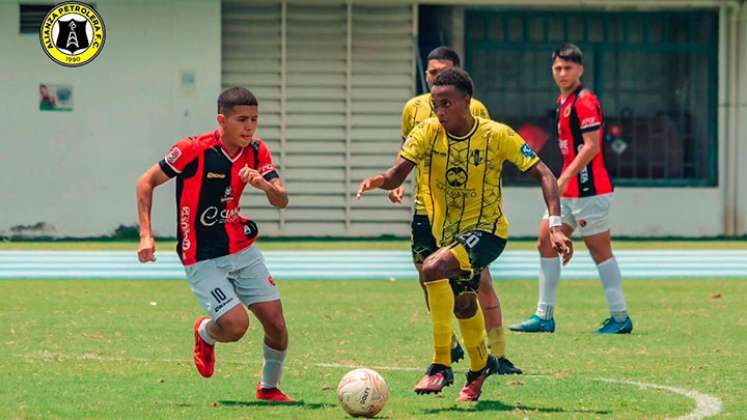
pixel 578 90
pixel 219 139
pixel 466 136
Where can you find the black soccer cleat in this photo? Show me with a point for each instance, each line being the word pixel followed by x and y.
pixel 457 352
pixel 505 367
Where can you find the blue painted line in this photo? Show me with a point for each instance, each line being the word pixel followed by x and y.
pixel 391 265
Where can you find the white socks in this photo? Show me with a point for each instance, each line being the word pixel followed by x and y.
pixel 202 330
pixel 548 286
pixel 609 272
pixel 272 369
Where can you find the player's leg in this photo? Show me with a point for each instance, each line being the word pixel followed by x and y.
pixel 423 245
pixel 474 251
pixel 437 269
pixel 258 291
pixel 594 228
pixel 543 319
pixel 491 307
pixel 228 320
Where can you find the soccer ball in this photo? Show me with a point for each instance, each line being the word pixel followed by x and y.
pixel 362 392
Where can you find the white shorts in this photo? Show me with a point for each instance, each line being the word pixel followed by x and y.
pixel 221 283
pixel 588 215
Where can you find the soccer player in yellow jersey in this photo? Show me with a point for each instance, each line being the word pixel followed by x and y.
pixel 415 111
pixel 462 158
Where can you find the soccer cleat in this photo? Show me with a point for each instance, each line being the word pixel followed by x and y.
pixel 534 324
pixel 436 378
pixel 473 388
pixel 273 395
pixel 610 326
pixel 457 353
pixel 204 353
pixel 505 367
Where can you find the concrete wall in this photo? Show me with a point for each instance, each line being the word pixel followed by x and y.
pixel 77 170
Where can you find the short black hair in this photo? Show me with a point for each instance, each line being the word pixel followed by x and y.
pixel 235 96
pixel 455 77
pixel 444 53
pixel 568 52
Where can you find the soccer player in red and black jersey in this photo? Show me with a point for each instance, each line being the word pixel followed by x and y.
pixel 215 243
pixel 586 194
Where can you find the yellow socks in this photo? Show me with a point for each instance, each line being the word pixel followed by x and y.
pixel 441 302
pixel 473 332
pixel 497 342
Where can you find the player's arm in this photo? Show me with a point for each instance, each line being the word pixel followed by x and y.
pixel 152 178
pixel 544 177
pixel 397 195
pixel 592 144
pixel 389 180
pixel 273 188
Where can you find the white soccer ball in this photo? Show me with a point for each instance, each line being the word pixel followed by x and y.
pixel 362 392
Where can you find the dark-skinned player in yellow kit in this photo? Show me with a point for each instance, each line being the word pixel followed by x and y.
pixel 464 156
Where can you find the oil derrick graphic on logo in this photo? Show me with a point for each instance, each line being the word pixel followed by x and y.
pixel 72 36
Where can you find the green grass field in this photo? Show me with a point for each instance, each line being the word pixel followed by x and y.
pixel 119 349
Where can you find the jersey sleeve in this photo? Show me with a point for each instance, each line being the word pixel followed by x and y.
pixel 181 154
pixel 406 120
pixel 589 113
pixel 264 164
pixel 478 109
pixel 516 151
pixel 415 143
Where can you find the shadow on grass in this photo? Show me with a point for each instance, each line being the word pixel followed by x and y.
pixel 487 405
pixel 301 404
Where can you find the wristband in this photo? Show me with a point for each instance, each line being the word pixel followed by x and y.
pixel 555 221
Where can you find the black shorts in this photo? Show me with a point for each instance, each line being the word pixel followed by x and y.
pixel 423 242
pixel 474 250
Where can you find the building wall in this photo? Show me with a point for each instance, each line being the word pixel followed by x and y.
pixel 77 170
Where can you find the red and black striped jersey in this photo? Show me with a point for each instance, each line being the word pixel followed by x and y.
pixel 577 114
pixel 208 191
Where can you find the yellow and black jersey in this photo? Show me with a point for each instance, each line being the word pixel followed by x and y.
pixel 461 176
pixel 417 110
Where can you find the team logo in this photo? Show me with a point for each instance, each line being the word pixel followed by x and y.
pixel 476 158
pixel 456 177
pixel 271 281
pixel 527 151
pixel 72 34
pixel 173 155
pixel 567 112
pixel 227 195
pixel 582 223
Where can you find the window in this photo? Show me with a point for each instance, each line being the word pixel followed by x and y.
pixel 31 16
pixel 655 74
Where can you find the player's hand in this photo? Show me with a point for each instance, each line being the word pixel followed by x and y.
pixel 561 244
pixel 147 249
pixel 369 184
pixel 397 195
pixel 253 178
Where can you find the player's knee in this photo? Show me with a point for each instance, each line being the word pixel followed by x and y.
pixel 465 306
pixel 431 270
pixel 234 327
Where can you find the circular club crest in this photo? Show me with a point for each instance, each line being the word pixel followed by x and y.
pixel 72 34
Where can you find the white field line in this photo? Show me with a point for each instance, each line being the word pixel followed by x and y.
pixel 705 405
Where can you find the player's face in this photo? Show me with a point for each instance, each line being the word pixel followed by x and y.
pixel 567 74
pixel 435 67
pixel 239 125
pixel 451 107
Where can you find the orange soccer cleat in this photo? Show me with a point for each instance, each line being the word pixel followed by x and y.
pixel 436 378
pixel 204 353
pixel 273 395
pixel 473 388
